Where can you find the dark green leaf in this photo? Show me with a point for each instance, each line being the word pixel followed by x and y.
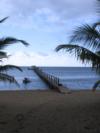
pixel 7 78
pixel 4 42
pixel 97 84
pixel 8 67
pixel 2 20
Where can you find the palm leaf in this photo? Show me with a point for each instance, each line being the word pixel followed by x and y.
pixel 3 43
pixel 7 78
pixel 3 55
pixel 8 67
pixel 82 54
pixel 96 85
pixel 2 20
pixel 98 53
pixel 87 34
pixel 10 40
pixel 96 25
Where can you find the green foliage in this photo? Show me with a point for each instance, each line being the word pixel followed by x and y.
pixel 3 54
pixel 7 78
pixel 4 42
pixel 88 48
pixel 87 34
pixel 2 20
pixel 96 85
pixel 83 54
pixel 8 67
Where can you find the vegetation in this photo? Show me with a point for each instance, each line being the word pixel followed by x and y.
pixel 4 42
pixel 87 48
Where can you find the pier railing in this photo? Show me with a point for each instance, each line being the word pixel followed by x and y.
pixel 52 81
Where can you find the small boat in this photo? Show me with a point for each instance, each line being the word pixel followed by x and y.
pixel 26 80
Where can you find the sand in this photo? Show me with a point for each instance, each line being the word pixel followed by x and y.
pixel 49 112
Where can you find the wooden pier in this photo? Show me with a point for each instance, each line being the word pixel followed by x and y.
pixel 52 81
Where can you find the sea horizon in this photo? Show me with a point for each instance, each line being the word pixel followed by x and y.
pixel 74 78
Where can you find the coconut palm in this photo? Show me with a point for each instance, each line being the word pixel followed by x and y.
pixel 4 42
pixel 89 50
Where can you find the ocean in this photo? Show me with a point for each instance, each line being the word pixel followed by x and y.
pixel 75 78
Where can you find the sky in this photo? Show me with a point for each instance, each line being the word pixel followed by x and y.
pixel 44 24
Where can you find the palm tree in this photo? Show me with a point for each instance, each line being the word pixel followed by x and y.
pixel 89 50
pixel 4 42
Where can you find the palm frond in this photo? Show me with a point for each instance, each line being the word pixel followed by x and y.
pixel 98 53
pixel 3 43
pixel 3 54
pixel 87 34
pixel 82 54
pixel 10 40
pixel 96 25
pixel 96 85
pixel 7 78
pixel 2 20
pixel 8 67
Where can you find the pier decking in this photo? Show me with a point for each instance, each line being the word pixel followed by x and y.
pixel 52 81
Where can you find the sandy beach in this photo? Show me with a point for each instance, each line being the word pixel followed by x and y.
pixel 49 112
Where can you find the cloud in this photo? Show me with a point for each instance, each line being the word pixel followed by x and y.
pixel 29 59
pixel 46 13
pixel 65 8
pixel 45 23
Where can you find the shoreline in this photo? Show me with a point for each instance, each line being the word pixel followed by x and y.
pixel 47 89
pixel 46 111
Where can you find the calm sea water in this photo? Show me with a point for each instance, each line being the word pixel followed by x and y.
pixel 72 77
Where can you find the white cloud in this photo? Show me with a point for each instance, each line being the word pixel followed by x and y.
pixel 46 13
pixel 38 59
pixel 58 17
pixel 62 7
